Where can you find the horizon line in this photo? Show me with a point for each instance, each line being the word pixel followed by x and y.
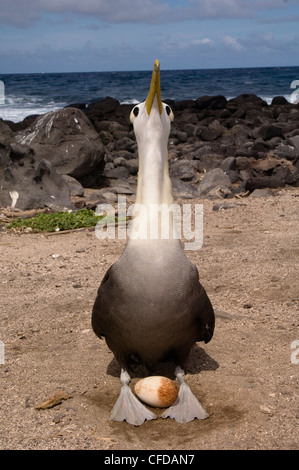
pixel 150 70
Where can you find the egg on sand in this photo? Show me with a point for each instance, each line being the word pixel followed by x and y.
pixel 156 391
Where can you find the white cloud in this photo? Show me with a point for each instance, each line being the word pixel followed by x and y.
pixel 173 44
pixel 233 43
pixel 202 42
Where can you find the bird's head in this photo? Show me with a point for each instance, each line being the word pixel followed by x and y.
pixel 152 118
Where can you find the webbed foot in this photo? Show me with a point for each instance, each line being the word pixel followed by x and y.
pixel 128 407
pixel 186 408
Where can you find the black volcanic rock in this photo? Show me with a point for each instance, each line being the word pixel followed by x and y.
pixel 19 126
pixel 67 139
pixel 215 182
pixel 279 100
pixel 6 134
pixel 211 102
pixel 247 100
pixel 207 134
pixel 99 110
pixel 271 173
pixel 268 131
pixel 28 185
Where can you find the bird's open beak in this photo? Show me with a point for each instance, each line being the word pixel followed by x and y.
pixel 155 89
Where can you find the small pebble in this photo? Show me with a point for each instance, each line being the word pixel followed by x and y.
pixel 247 305
pixel 265 409
pixel 57 418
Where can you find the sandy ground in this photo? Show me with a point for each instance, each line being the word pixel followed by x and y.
pixel 247 377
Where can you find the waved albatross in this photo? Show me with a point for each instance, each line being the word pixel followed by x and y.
pixel 150 305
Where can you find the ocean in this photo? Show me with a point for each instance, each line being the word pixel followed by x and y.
pixel 24 94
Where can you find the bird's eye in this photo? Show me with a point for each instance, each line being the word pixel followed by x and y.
pixel 169 112
pixel 136 111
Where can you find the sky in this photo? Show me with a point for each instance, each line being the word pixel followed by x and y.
pixel 40 36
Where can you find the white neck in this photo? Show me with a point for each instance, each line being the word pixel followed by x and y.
pixel 154 186
pixel 153 195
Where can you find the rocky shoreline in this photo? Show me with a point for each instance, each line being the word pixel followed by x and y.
pixel 82 155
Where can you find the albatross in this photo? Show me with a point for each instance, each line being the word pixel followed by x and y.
pixel 150 306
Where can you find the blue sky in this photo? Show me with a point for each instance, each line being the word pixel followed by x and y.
pixel 115 35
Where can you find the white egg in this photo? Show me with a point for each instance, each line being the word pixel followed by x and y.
pixel 156 391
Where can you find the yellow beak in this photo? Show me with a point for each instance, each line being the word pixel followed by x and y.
pixel 155 88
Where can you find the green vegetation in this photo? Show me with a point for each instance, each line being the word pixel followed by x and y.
pixel 58 221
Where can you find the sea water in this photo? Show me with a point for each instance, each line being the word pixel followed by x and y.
pixel 26 94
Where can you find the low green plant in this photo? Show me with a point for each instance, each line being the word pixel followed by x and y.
pixel 57 221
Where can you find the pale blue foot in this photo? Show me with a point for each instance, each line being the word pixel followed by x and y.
pixel 128 407
pixel 186 408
